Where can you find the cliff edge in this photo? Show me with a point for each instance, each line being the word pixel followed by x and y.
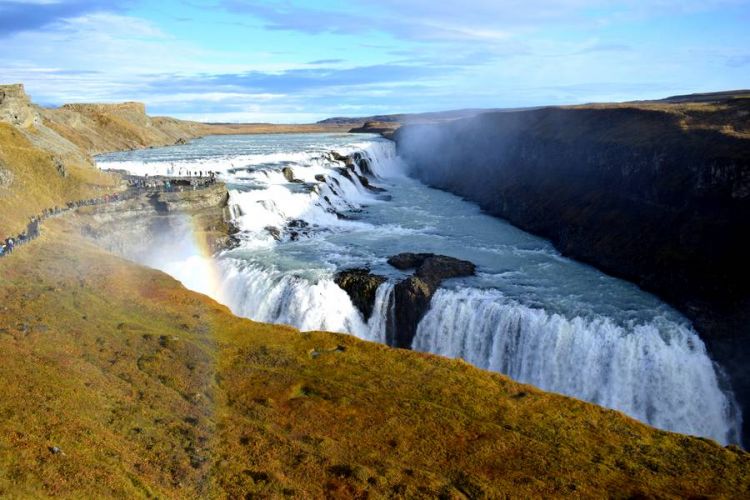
pixel 656 193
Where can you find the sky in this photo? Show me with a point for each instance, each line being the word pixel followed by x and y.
pixel 298 61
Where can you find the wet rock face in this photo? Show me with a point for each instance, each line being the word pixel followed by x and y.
pixel 432 268
pixel 289 175
pixel 412 296
pixel 361 285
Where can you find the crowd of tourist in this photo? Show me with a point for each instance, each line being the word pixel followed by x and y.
pixel 136 187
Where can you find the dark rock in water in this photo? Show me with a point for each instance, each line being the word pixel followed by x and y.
pixel 181 141
pixel 289 175
pixel 320 177
pixel 297 228
pixel 336 156
pixel 363 163
pixel 432 268
pixel 364 180
pixel 406 261
pixel 274 231
pixel 412 296
pixel 366 183
pixel 345 172
pixel 361 285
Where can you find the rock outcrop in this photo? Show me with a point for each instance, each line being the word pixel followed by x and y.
pixel 289 175
pixel 386 129
pixel 361 285
pixel 657 194
pixel 411 296
pixel 16 107
pixel 132 228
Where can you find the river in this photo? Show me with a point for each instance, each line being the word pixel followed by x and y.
pixel 529 312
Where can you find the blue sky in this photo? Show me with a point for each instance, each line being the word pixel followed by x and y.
pixel 300 61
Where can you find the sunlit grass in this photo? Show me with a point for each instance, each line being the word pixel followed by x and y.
pixel 149 389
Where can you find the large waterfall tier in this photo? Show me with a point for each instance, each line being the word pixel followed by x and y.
pixel 303 215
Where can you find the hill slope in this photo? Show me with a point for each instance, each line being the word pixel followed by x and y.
pixel 149 389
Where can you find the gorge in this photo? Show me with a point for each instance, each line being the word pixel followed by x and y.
pixel 656 193
pixel 304 214
pixel 120 381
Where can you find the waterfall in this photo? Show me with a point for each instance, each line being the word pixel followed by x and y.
pixel 657 372
pixel 271 296
pixel 382 324
pixel 294 234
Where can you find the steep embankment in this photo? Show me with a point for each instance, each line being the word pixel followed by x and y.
pixel 118 381
pixel 656 193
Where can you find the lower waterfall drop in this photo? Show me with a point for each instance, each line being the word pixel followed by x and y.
pixel 658 372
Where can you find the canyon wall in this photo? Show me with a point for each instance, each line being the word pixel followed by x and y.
pixel 658 194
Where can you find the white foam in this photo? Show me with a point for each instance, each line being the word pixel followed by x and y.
pixel 658 372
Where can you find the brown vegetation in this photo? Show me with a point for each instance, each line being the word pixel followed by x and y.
pixel 118 381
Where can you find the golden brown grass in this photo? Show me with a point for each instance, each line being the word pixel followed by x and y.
pixel 36 182
pixel 152 390
pixel 730 116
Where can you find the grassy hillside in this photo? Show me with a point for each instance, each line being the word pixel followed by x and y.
pixel 38 179
pixel 151 390
pixel 99 128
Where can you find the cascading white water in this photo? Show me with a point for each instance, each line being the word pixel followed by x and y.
pixel 274 297
pixel 531 314
pixel 657 372
pixel 382 323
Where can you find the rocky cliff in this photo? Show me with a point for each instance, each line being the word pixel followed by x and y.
pixel 656 193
